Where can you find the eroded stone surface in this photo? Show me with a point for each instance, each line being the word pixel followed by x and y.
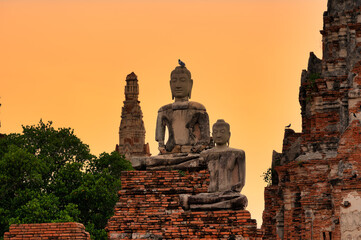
pixel 178 161
pixel 319 167
pixel 227 167
pixel 351 216
pixel 335 6
pixel 187 122
pixel 187 125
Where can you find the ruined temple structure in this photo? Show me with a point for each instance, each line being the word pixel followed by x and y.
pixel 149 208
pixel 131 130
pixel 316 182
pixel 190 190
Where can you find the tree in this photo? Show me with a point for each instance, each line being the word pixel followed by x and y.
pixel 49 175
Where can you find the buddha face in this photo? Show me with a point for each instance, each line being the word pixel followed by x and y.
pixel 181 86
pixel 220 134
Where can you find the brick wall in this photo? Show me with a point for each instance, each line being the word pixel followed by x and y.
pixel 148 207
pixel 51 231
pixel 308 201
pixel 317 193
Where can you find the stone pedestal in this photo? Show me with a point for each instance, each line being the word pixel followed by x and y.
pixel 149 208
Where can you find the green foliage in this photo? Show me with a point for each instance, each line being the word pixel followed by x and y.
pixel 314 76
pixel 300 163
pixel 182 173
pixel 308 99
pixel 96 233
pixel 45 208
pixel 267 176
pixel 114 163
pixel 49 175
pixel 312 81
pixel 312 85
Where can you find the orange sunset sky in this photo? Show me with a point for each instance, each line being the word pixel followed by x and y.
pixel 66 61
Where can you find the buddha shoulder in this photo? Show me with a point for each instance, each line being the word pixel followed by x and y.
pixel 165 107
pixel 182 106
pixel 196 106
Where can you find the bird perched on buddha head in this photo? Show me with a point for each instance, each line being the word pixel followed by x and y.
pixel 182 64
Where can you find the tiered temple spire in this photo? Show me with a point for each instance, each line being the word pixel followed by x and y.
pixel 131 130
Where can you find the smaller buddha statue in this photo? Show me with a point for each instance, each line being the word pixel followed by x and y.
pixel 227 169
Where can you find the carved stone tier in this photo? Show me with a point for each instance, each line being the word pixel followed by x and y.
pixel 131 129
pixel 148 208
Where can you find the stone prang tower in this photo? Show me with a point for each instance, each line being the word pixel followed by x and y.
pixel 316 181
pixel 131 130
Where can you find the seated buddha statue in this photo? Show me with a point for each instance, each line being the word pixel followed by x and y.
pixel 227 170
pixel 186 122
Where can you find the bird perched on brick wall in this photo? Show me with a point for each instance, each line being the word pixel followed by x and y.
pixel 181 63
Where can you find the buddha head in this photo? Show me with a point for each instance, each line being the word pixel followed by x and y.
pixel 181 83
pixel 221 133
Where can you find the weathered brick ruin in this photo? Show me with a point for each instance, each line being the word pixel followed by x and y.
pixel 316 187
pixel 149 208
pixel 131 129
pixel 70 230
pixel 186 192
pixel 316 181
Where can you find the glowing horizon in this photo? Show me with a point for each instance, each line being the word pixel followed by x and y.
pixel 67 62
